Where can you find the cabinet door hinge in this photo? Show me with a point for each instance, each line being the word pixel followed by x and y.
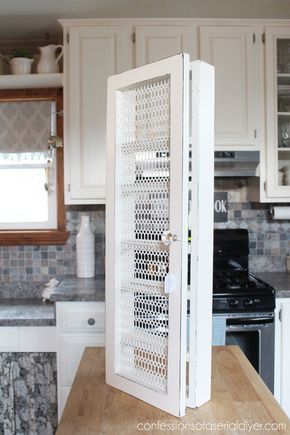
pixel 133 37
pixel 265 185
pixel 67 37
pixel 255 133
pixel 68 187
pixel 263 38
pixel 280 315
pixel 254 38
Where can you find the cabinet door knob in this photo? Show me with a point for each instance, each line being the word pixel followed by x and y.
pixel 91 321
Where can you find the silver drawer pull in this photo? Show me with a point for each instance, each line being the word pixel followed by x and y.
pixel 91 321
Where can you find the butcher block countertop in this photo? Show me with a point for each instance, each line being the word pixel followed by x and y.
pixel 239 397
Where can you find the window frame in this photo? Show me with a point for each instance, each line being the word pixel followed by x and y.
pixel 59 235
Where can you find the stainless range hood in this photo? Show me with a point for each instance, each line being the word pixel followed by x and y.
pixel 236 163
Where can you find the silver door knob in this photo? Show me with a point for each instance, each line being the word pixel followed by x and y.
pixel 167 238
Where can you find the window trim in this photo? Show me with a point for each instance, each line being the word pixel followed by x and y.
pixel 59 235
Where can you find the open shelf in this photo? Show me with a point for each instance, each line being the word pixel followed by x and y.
pixel 30 81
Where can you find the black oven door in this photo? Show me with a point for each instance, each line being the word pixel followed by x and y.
pixel 256 338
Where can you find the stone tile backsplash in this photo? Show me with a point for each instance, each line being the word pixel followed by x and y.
pixel 269 239
pixel 40 263
pixel 269 242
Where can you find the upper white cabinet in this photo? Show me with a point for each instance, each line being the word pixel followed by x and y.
pixel 252 90
pixel 157 42
pixel 235 52
pixel 92 54
pixel 275 174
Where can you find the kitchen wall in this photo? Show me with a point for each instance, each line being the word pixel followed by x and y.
pixel 269 243
pixel 269 239
pixel 40 263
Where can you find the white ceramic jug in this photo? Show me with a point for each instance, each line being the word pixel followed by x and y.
pixel 48 63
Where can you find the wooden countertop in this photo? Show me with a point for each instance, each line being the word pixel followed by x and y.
pixel 238 395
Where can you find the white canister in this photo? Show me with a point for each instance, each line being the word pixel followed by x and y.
pixel 85 242
pixel 21 65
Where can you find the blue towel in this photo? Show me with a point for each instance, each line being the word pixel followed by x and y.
pixel 218 330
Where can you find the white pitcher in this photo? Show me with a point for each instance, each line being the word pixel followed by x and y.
pixel 48 63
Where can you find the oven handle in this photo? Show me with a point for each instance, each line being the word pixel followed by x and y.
pixel 249 321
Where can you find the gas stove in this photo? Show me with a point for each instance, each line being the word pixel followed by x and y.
pixel 243 304
pixel 234 288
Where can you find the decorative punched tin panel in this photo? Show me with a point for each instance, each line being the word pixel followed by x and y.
pixel 142 215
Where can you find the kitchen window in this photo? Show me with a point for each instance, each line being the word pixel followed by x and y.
pixel 31 168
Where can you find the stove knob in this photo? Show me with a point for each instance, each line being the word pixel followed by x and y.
pixel 248 303
pixel 233 303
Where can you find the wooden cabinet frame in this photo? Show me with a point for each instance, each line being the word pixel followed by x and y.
pixel 59 235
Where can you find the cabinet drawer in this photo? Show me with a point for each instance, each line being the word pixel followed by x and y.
pixel 84 317
pixel 9 339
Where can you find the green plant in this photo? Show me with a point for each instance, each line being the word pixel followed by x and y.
pixel 22 53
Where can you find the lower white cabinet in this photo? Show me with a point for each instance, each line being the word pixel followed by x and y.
pixel 282 353
pixel 79 325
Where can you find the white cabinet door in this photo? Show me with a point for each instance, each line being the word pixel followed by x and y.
pixel 282 354
pixel 147 230
pixel 145 324
pixel 158 42
pixel 63 393
pixel 92 54
pixel 276 165
pixel 72 349
pixel 232 50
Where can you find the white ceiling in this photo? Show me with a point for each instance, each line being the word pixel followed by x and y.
pixel 34 18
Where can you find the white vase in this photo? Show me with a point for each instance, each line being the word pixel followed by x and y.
pixel 85 249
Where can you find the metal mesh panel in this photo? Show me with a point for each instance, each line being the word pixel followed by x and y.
pixel 142 215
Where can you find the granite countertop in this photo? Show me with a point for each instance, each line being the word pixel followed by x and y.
pixel 18 311
pixel 279 280
pixel 26 312
pixel 79 289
